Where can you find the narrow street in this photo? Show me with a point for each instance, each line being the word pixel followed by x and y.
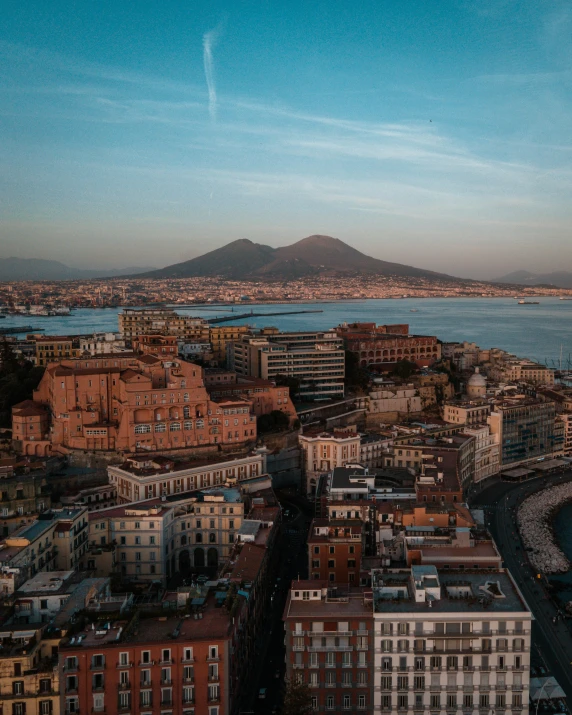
pixel 269 673
pixel 551 635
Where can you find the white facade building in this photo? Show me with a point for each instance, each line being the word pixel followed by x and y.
pixel 454 641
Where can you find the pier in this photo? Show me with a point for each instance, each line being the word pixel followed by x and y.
pixel 252 314
pixel 20 329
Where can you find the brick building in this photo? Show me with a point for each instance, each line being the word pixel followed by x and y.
pixel 127 404
pixel 329 644
pixel 335 550
pixel 161 346
pixel 376 344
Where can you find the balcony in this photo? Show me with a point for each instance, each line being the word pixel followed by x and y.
pixel 324 648
pixel 124 686
pixel 189 680
pixel 213 678
pixel 216 659
pixel 124 665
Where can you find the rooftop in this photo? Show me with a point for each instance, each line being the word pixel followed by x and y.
pixel 459 591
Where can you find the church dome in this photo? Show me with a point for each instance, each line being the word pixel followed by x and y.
pixel 477 380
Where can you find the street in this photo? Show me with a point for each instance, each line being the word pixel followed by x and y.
pixel 553 638
pixel 269 669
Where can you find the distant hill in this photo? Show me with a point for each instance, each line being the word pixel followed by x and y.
pixel 313 255
pixel 560 279
pixel 38 269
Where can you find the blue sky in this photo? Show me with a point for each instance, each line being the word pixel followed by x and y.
pixel 436 134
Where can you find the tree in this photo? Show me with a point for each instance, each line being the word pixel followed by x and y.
pixel 355 375
pixel 404 369
pixel 297 698
pixel 18 380
pixel 292 383
pixel 276 421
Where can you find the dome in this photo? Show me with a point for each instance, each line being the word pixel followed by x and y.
pixel 477 380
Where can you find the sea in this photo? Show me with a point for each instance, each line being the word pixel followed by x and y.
pixel 562 525
pixel 541 332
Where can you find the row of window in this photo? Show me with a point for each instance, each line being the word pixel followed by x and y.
pixel 404 629
pixel 99 660
pixel 451 644
pixel 452 702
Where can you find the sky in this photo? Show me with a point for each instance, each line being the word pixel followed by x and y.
pixel 436 134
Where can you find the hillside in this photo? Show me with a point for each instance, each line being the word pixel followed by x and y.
pixel 313 255
pixel 38 269
pixel 560 279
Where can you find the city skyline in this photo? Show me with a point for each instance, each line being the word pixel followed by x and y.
pixel 432 137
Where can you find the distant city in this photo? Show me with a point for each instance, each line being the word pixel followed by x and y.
pixel 197 512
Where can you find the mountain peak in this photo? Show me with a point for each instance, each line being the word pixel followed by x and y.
pixel 314 255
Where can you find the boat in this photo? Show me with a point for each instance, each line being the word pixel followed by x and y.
pixel 529 302
pixel 413 310
pixel 564 298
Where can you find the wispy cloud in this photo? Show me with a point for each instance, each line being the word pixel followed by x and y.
pixel 210 39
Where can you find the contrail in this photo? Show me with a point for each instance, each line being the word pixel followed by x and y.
pixel 209 41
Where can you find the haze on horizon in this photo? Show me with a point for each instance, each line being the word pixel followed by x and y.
pixel 432 134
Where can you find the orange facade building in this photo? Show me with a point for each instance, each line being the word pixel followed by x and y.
pixel 127 403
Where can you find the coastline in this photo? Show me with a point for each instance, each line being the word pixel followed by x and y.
pixel 535 521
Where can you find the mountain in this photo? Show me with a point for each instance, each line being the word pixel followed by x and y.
pixel 313 255
pixel 560 279
pixel 38 269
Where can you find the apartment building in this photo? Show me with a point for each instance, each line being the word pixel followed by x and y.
pixel 468 413
pixel 335 550
pixel 330 646
pixel 56 541
pixel 457 641
pixel 102 344
pixel 53 348
pixel 316 360
pixel 525 430
pixel 324 451
pixel 164 664
pixel 161 346
pixel 127 404
pixel 376 344
pixel 487 452
pixel 141 534
pixel 23 497
pixel 450 548
pixel 504 367
pixel 134 322
pixel 221 336
pixel 148 477
pixel 264 395
pixel 156 538
pixel 29 674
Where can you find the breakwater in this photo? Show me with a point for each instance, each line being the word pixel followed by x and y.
pixel 534 519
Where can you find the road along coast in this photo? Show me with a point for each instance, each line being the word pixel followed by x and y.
pixel 534 519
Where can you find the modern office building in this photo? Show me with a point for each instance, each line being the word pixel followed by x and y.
pixel 316 360
pixel 525 429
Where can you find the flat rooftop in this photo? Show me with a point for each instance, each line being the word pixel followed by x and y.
pixel 472 583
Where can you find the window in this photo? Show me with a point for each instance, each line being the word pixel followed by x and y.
pixel 146 657
pixel 124 659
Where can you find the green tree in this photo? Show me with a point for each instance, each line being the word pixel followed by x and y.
pixel 355 375
pixel 404 369
pixel 276 421
pixel 297 698
pixel 18 380
pixel 292 383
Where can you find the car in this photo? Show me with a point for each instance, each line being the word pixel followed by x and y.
pixel 262 694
